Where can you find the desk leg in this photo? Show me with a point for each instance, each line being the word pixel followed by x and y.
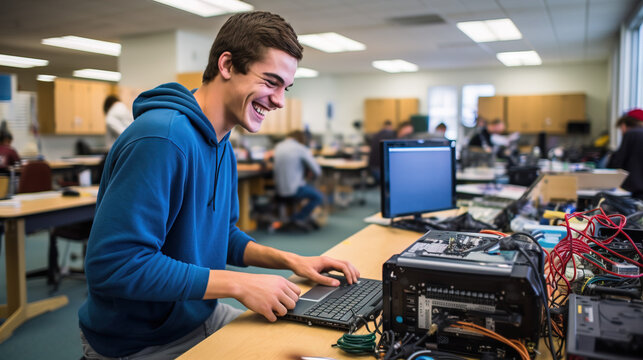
pixel 245 223
pixel 17 311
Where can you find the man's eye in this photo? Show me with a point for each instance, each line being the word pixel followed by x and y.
pixel 271 83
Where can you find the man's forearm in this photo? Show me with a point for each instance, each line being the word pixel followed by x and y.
pixel 267 257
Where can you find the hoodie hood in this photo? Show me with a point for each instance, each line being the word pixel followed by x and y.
pixel 175 96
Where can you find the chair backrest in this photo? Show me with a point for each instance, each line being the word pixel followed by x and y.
pixel 34 176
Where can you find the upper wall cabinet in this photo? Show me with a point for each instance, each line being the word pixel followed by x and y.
pixel 376 111
pixel 531 114
pixel 284 120
pixel 72 107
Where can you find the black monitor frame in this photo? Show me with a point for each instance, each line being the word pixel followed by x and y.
pixel 386 179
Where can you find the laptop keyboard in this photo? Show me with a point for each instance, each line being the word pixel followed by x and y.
pixel 357 296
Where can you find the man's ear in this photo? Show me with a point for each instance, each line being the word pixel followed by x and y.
pixel 225 65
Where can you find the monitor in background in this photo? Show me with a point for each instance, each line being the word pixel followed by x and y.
pixel 418 177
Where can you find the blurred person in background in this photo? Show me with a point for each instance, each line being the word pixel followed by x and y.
pixel 629 155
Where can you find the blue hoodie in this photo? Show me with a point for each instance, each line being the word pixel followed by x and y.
pixel 165 215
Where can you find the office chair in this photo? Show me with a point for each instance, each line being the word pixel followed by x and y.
pixel 36 176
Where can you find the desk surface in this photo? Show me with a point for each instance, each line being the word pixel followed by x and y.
pixel 342 164
pixel 47 203
pixel 252 337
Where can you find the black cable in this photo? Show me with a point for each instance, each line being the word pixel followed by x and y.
pixel 543 298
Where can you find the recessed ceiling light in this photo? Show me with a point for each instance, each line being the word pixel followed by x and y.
pixel 331 42
pixel 395 66
pixel 303 72
pixel 98 74
pixel 21 62
pixel 519 58
pixel 47 78
pixel 207 8
pixel 84 44
pixel 490 30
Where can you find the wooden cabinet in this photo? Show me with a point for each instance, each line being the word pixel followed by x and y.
pixel 376 111
pixel 284 120
pixel 72 107
pixel 531 114
pixel 492 107
pixel 190 80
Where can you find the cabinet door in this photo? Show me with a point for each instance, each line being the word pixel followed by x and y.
pixel 82 107
pixel 524 114
pixel 573 107
pixel 376 111
pixel 63 106
pixel 553 120
pixel 98 93
pixel 406 108
pixel 294 114
pixel 492 107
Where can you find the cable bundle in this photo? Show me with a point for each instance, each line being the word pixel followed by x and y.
pixel 515 344
pixel 577 243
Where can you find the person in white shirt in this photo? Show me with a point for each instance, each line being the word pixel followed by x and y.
pixel 292 158
pixel 117 118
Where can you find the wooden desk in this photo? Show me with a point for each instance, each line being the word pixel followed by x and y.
pixel 77 161
pixel 252 337
pixel 34 215
pixel 250 182
pixel 336 168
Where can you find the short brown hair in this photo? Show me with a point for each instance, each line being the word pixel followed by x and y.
pixel 247 36
pixel 629 122
pixel 298 135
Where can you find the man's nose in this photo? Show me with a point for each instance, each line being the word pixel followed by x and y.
pixel 277 99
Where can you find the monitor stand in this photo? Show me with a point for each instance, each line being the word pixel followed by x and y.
pixel 417 224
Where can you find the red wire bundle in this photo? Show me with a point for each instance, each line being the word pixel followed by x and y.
pixel 576 242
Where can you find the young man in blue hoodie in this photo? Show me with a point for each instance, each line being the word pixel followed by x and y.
pixel 164 227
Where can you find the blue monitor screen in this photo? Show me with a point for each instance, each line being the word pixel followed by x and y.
pixel 418 176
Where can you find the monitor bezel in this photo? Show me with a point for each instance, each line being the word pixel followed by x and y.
pixel 385 145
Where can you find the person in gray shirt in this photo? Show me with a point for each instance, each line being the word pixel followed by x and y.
pixel 291 160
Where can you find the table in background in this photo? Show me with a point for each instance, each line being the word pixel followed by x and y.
pixel 338 168
pixel 480 174
pixel 505 191
pixel 31 215
pixel 250 182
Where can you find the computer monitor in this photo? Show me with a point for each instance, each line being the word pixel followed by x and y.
pixel 418 176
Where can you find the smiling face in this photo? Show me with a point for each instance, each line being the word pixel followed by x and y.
pixel 250 96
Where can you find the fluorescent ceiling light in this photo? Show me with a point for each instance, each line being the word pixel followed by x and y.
pixel 519 58
pixel 395 66
pixel 331 42
pixel 98 74
pixel 84 44
pixel 490 30
pixel 207 8
pixel 303 72
pixel 47 78
pixel 21 62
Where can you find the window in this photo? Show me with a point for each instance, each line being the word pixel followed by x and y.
pixel 470 95
pixel 443 108
pixel 638 86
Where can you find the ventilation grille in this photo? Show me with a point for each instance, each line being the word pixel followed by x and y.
pixel 428 19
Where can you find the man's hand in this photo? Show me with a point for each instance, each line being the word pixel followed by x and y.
pixel 268 295
pixel 312 267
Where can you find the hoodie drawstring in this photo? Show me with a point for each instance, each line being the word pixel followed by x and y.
pixel 217 167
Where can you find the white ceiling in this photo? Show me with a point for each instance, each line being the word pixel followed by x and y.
pixel 561 31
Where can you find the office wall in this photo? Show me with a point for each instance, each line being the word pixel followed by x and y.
pixel 148 60
pixel 192 51
pixel 347 92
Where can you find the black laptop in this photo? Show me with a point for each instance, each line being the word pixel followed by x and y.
pixel 339 307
